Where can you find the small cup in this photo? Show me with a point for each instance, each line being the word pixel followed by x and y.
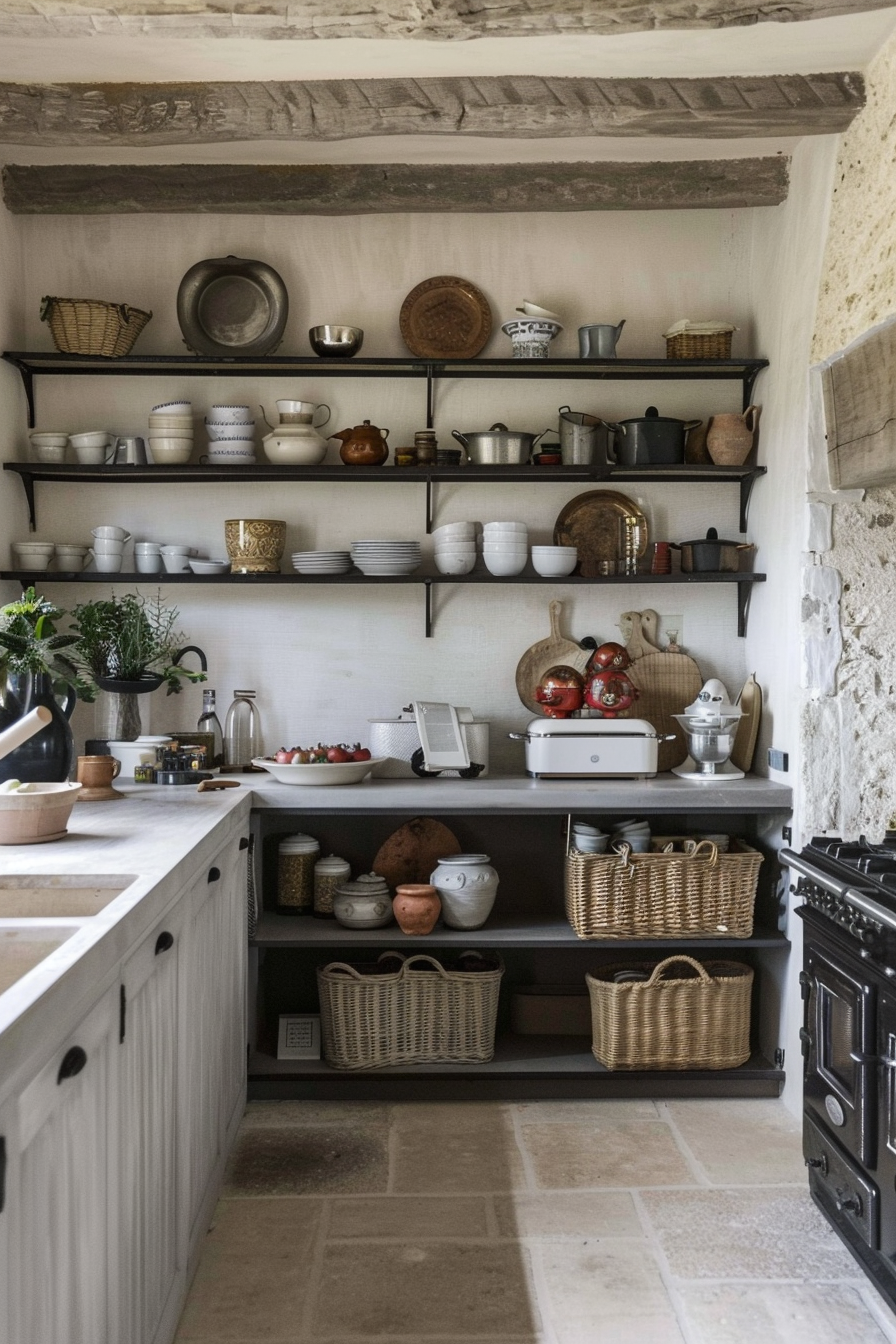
pixel 91 457
pixel 148 562
pixel 34 555
pixel 97 772
pixel 92 438
pixel 107 564
pixel 102 546
pixel 109 533
pixel 176 559
pixel 148 547
pixel 70 558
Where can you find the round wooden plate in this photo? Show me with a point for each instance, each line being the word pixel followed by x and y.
pixel 445 317
pixel 411 853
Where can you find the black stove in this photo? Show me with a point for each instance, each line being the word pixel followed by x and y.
pixel 848 1036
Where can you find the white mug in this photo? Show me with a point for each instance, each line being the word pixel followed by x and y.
pixel 91 457
pixel 110 534
pixel 107 564
pixel 102 546
pixel 45 453
pixel 70 558
pixel 148 562
pixel 177 563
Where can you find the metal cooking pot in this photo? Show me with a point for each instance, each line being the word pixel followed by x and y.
pixel 498 446
pixel 652 440
pixel 584 439
pixel 711 555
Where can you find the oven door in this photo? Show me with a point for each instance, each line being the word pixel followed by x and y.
pixel 841 1061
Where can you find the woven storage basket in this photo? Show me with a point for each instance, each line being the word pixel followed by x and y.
pixel 410 1016
pixel 698 1021
pixel 92 326
pixel 701 894
pixel 710 345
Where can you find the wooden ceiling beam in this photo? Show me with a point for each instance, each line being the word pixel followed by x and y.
pixel 336 189
pixel 441 20
pixel 518 107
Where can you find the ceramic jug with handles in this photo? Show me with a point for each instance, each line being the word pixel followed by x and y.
pixel 729 437
pixel 47 757
pixel 599 340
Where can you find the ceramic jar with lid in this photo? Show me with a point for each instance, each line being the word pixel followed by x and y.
pixel 416 907
pixel 467 885
pixel 296 858
pixel 329 873
pixel 364 903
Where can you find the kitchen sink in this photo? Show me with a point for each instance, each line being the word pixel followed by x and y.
pixel 22 949
pixel 69 897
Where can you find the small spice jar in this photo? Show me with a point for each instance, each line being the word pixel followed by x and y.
pixel 426 444
pixel 329 873
pixel 405 457
pixel 295 874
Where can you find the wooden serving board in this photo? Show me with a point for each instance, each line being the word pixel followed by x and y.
pixel 668 683
pixel 546 653
pixel 411 853
pixel 750 701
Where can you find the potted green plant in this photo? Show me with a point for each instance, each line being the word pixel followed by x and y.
pixel 35 669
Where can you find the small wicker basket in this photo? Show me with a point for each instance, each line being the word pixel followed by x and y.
pixel 687 345
pixel 92 326
pixel 699 1019
pixel 421 1013
pixel 700 893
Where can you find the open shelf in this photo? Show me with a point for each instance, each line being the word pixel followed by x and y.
pixel 523 1067
pixel 305 931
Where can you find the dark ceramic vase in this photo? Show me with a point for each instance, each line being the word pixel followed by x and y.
pixel 47 757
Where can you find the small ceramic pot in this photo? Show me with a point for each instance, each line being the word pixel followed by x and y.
pixel 416 908
pixel 255 545
pixel 467 886
pixel 364 903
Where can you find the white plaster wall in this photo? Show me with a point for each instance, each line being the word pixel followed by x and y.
pixel 12 400
pixel 323 661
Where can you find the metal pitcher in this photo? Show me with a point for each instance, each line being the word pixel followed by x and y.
pixel 129 452
pixel 584 439
pixel 598 341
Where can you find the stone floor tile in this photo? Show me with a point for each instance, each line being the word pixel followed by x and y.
pixel 408 1216
pixel 246 1298
pixel 746 1234
pixel 280 1228
pixel 313 1114
pixel 300 1161
pixel 606 1292
pixel 596 1111
pixel 591 1214
pixel 406 1292
pixel 742 1142
pixel 733 1313
pixel 444 1149
pixel 578 1156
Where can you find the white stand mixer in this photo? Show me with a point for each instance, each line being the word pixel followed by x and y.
pixel 710 724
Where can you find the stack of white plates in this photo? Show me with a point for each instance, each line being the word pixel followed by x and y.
pixel 383 558
pixel 322 562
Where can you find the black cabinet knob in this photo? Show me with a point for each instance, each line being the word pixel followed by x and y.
pixel 73 1062
pixel 214 874
pixel 164 942
pixel 244 842
pixel 821 1163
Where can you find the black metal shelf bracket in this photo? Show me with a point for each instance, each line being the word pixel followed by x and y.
pixel 746 490
pixel 744 593
pixel 428 599
pixel 28 484
pixel 430 504
pixel 749 382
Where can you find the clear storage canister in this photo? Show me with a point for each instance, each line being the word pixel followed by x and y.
pixel 329 873
pixel 295 874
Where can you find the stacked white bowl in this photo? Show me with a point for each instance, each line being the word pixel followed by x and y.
pixel 321 562
pixel 386 558
pixel 455 547
pixel 554 562
pixel 171 433
pixel 231 436
pixel 505 548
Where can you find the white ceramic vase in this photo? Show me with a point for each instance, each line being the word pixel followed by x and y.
pixel 467 885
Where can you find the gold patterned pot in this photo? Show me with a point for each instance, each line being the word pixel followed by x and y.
pixel 255 545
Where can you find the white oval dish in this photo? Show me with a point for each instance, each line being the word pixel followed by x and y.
pixel 347 772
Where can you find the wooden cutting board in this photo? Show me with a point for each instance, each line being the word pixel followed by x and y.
pixel 750 701
pixel 411 853
pixel 546 653
pixel 668 683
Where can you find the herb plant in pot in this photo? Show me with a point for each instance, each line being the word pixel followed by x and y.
pixel 125 647
pixel 35 670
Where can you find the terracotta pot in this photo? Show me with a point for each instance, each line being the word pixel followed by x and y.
pixel 416 908
pixel 729 438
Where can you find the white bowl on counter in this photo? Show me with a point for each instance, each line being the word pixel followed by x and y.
pixel 345 772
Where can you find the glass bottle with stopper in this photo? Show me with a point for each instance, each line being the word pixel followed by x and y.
pixel 242 731
pixel 211 724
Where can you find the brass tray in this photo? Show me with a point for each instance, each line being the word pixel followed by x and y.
pixel 590 522
pixel 445 318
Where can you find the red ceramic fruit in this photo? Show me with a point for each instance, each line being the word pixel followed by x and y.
pixel 416 908
pixel 560 691
pixel 609 655
pixel 610 693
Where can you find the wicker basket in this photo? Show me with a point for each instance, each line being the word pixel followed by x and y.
pixel 699 1020
pixel 701 893
pixel 92 326
pixel 688 345
pixel 373 1016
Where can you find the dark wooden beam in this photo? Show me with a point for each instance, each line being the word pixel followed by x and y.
pixel 432 19
pixel 392 188
pixel 513 106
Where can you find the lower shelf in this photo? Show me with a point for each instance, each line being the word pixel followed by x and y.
pixel 523 1067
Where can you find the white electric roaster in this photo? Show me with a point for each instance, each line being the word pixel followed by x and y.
pixel 589 748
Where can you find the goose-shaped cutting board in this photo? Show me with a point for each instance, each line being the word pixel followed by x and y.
pixel 668 683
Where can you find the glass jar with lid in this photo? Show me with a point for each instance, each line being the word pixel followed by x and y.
pixel 296 857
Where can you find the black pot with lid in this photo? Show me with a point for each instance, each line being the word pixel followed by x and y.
pixel 651 440
pixel 710 555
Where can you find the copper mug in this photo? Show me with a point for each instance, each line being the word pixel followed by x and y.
pixel 98 772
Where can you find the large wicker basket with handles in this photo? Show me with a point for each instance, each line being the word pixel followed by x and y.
pixel 413 1011
pixel 92 326
pixel 683 1016
pixel 698 892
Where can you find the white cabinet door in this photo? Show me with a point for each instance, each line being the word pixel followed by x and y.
pixel 212 974
pixel 56 1190
pixel 144 1259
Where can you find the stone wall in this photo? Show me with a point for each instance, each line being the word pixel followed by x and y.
pixel 849 643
